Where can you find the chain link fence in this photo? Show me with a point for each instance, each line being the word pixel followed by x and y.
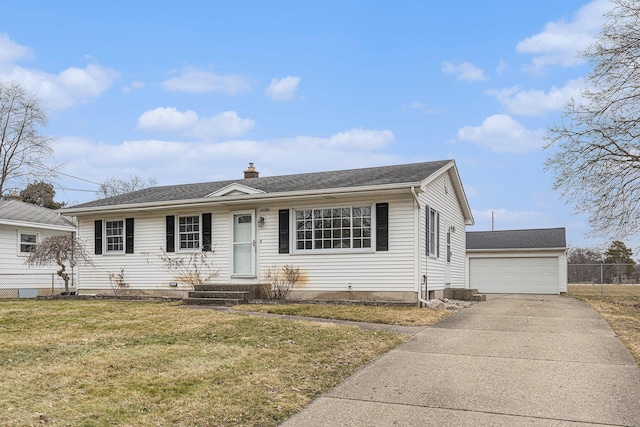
pixel 30 285
pixel 604 278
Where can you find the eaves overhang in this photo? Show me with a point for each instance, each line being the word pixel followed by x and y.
pixel 27 224
pixel 516 250
pixel 243 199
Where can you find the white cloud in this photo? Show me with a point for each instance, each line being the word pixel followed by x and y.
pixel 282 89
pixel 361 139
pixel 69 87
pixel 174 162
pixel 11 51
pixel 135 85
pixel 197 81
pixel 515 100
pixel 502 67
pixel 168 119
pixel 560 41
pixel 501 133
pixel 464 71
pixel 226 124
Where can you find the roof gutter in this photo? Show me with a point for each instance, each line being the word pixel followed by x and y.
pixel 420 299
pixel 26 224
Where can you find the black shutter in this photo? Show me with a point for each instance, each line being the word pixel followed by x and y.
pixel 382 226
pixel 97 237
pixel 128 229
pixel 206 231
pixel 171 231
pixel 283 231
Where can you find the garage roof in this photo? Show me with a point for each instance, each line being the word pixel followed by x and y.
pixel 541 238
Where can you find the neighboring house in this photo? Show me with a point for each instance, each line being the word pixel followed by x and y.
pixel 517 261
pixel 22 227
pixel 371 233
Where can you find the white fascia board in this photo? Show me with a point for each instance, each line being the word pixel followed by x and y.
pixel 509 250
pixel 25 224
pixel 456 182
pixel 247 198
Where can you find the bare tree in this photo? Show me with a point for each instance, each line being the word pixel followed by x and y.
pixel 114 186
pixel 22 148
pixel 61 250
pixel 597 145
pixel 584 265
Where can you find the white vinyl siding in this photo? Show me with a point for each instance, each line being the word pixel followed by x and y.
pixel 434 197
pixel 330 271
pixel 144 269
pixel 14 273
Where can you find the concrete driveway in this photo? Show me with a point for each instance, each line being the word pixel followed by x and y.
pixel 534 360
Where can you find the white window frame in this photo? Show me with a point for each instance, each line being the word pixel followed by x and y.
pixel 179 233
pixel 20 242
pixel 328 234
pixel 106 236
pixel 433 237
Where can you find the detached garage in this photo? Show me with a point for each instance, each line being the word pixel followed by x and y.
pixel 517 261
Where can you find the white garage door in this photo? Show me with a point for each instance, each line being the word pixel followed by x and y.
pixel 514 275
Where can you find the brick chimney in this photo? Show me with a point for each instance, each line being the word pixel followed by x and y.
pixel 251 172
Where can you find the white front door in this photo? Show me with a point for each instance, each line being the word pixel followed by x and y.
pixel 243 244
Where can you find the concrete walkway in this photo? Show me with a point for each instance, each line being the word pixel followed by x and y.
pixel 512 360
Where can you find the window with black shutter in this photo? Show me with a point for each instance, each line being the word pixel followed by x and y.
pixel 128 229
pixel 206 232
pixel 382 227
pixel 97 234
pixel 170 235
pixel 283 231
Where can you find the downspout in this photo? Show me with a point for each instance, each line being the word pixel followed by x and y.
pixel 424 277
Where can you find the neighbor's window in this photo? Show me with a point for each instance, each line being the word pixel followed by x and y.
pixel 333 228
pixel 114 231
pixel 189 232
pixel 28 242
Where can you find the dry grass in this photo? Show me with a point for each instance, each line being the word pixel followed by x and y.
pixel 102 363
pixel 404 316
pixel 607 290
pixel 620 307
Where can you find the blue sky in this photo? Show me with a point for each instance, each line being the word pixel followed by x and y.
pixel 193 91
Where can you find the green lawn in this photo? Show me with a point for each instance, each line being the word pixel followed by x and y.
pixel 104 363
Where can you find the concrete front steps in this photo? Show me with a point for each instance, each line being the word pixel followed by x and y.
pixel 464 294
pixel 221 295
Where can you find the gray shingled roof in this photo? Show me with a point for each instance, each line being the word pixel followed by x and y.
pixel 15 210
pixel 409 173
pixel 545 238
